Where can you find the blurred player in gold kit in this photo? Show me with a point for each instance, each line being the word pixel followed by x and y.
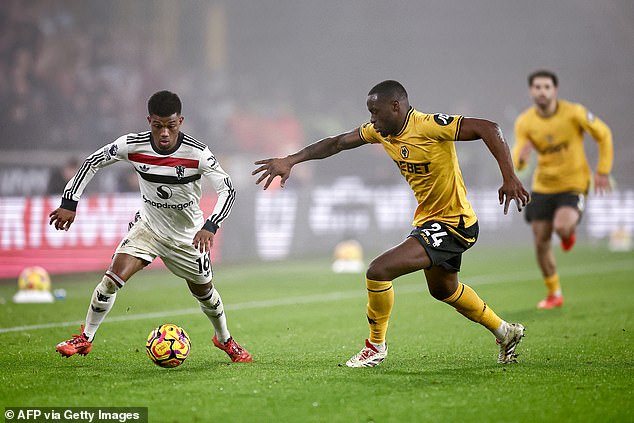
pixel 423 148
pixel 554 128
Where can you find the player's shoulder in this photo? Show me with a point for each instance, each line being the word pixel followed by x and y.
pixel 570 106
pixel 566 104
pixel 442 119
pixel 198 150
pixel 424 122
pixel 193 143
pixel 368 134
pixel 136 137
pixel 574 111
pixel 121 145
pixel 418 117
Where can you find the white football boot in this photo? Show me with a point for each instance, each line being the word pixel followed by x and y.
pixel 369 356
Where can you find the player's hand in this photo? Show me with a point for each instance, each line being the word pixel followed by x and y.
pixel 62 218
pixel 203 240
pixel 525 152
pixel 602 183
pixel 513 190
pixel 271 168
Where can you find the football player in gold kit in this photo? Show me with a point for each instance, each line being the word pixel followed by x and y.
pixel 554 128
pixel 422 146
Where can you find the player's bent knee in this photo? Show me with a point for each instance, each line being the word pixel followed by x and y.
pixel 200 290
pixel 376 271
pixel 439 293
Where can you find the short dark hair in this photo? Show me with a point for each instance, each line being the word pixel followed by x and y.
pixel 389 88
pixel 164 103
pixel 543 73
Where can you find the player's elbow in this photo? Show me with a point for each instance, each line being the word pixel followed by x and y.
pixel 337 145
pixel 476 128
pixel 491 131
pixel 494 129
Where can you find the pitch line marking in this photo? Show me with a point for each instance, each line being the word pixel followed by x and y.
pixel 334 296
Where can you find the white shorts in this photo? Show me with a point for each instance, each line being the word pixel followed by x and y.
pixel 183 260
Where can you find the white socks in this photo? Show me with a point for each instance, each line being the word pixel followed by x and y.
pixel 101 303
pixel 500 332
pixel 211 305
pixel 105 293
pixel 379 347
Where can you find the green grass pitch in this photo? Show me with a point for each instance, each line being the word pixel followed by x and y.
pixel 300 321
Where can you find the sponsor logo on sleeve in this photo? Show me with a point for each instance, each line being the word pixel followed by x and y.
pixel 443 119
pixel 110 151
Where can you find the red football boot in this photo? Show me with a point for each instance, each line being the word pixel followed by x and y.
pixel 551 301
pixel 79 344
pixel 568 243
pixel 234 350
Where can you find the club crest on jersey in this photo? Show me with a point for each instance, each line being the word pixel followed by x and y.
pixel 443 119
pixel 180 171
pixel 404 152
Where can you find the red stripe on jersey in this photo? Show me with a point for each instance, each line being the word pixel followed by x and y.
pixel 163 161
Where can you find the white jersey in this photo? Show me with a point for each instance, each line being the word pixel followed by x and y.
pixel 170 183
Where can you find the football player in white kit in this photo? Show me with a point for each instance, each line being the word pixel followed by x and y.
pixel 170 224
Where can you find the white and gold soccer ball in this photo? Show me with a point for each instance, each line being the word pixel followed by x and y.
pixel 34 278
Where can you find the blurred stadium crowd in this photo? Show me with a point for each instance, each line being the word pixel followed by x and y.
pixel 70 83
pixel 59 71
pixel 76 74
pixel 262 79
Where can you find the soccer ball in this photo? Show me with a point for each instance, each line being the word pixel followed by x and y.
pixel 34 278
pixel 168 345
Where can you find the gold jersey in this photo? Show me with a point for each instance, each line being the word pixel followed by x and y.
pixel 562 165
pixel 425 154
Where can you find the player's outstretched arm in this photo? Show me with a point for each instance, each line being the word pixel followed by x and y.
pixel 281 166
pixel 62 218
pixel 491 134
